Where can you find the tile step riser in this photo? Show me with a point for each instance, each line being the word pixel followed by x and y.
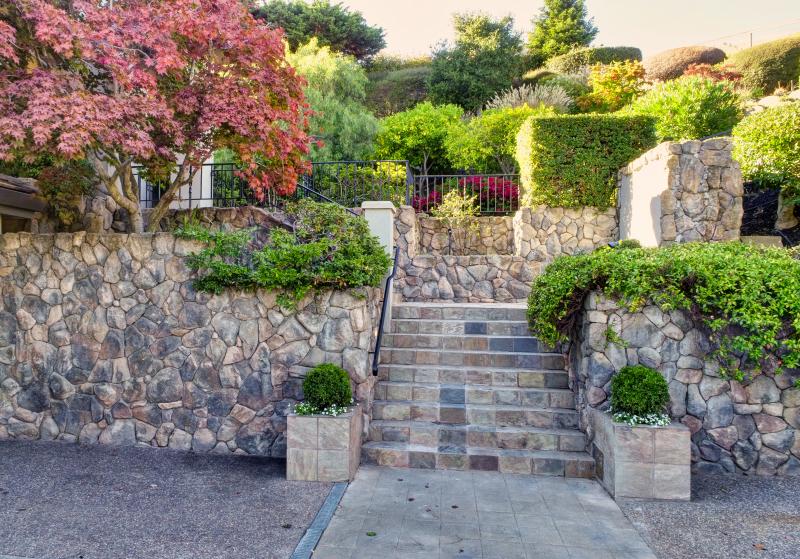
pixel 503 464
pixel 479 396
pixel 522 379
pixel 391 356
pixel 545 419
pixel 458 328
pixel 467 314
pixel 439 435
pixel 471 343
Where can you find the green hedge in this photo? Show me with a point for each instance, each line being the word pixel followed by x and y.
pixel 745 296
pixel 572 160
pixel 579 58
pixel 768 65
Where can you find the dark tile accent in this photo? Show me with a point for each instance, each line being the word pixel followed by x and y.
pixel 456 437
pixel 557 380
pixel 485 463
pixel 527 344
pixel 474 328
pixel 452 395
pixel 452 415
pixel 548 466
pixel 579 468
pixel 501 344
pixel 565 421
pixel 395 434
pixel 425 460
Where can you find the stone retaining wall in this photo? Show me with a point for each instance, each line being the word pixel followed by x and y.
pixel 680 192
pixel 466 279
pixel 103 339
pixel 746 427
pixel 492 235
pixel 542 233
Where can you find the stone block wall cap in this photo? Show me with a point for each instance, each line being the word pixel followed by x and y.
pixel 377 205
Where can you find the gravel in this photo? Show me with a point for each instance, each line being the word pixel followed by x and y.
pixel 60 501
pixel 730 516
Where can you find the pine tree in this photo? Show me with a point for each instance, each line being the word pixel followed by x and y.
pixel 560 26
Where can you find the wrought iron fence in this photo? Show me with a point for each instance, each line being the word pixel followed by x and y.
pixel 494 194
pixel 348 183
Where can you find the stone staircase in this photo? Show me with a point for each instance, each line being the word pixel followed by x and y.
pixel 465 387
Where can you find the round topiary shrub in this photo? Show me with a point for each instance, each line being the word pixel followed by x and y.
pixel 672 63
pixel 327 385
pixel 768 65
pixel 579 58
pixel 640 391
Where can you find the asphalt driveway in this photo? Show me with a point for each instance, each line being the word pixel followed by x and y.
pixel 60 501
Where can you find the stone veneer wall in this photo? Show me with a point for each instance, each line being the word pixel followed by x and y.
pixel 103 339
pixel 747 427
pixel 493 235
pixel 682 191
pixel 543 233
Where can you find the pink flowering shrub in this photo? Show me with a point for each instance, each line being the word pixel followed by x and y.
pixel 423 204
pixel 495 194
pixel 163 84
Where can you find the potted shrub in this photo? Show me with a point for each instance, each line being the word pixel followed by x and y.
pixel 639 452
pixel 324 432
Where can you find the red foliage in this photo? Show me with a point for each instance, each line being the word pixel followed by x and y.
pixel 143 81
pixel 716 73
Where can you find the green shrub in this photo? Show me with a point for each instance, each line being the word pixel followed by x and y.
pixel 579 58
pixel 532 77
pixel 744 296
pixel 768 65
pixel 391 62
pixel 572 160
pixel 690 107
pixel 639 390
pixel 767 146
pixel 397 90
pixel 327 385
pixel 62 186
pixel 328 249
pixel 672 63
pixel 575 85
pixel 613 86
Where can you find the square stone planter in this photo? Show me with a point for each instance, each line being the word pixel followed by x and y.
pixel 322 447
pixel 642 462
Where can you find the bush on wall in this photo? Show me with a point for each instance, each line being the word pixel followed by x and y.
pixel 672 63
pixel 690 107
pixel 328 248
pixel 572 160
pixel 767 146
pixel 639 395
pixel 579 58
pixel 768 65
pixel 745 296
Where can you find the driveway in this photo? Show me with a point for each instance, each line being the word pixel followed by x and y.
pixel 60 500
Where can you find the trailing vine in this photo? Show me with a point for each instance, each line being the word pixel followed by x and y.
pixel 747 298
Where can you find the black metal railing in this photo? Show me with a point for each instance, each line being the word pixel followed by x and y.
pixel 348 183
pixel 387 294
pixel 493 194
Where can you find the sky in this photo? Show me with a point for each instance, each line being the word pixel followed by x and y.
pixel 413 26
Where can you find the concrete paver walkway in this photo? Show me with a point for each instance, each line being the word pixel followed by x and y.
pixel 405 513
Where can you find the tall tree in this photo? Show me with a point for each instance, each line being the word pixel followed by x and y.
pixel 560 26
pixel 130 82
pixel 333 25
pixel 485 59
pixel 336 91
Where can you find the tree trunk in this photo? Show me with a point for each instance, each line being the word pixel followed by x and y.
pixel 118 186
pixel 181 179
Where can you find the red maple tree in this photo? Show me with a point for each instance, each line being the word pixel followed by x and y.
pixel 161 84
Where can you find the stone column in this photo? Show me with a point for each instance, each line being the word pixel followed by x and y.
pixel 380 217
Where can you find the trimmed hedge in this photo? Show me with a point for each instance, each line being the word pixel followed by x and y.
pixel 768 65
pixel 572 160
pixel 672 63
pixel 327 385
pixel 579 58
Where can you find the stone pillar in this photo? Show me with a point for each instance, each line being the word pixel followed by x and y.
pixel 680 192
pixel 380 216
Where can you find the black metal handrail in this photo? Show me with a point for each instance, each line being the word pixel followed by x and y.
pixel 387 293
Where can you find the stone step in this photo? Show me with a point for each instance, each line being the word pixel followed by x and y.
pixel 465 342
pixel 541 462
pixel 475 414
pixel 460 311
pixel 479 436
pixel 527 360
pixel 474 394
pixel 484 376
pixel 460 327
